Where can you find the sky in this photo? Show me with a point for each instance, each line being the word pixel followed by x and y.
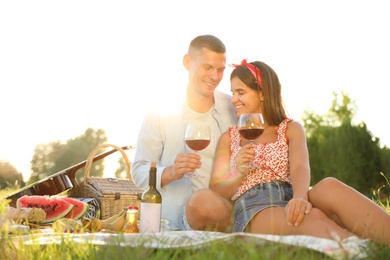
pixel 66 66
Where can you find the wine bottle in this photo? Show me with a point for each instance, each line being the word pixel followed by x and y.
pixel 150 214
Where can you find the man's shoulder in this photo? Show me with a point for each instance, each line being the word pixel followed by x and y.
pixel 164 115
pixel 222 95
pixel 223 100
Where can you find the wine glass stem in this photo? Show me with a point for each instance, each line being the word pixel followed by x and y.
pixel 194 172
pixel 251 163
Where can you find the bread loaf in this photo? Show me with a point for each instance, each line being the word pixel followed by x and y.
pixel 29 215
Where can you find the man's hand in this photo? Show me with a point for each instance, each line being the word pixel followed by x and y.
pixel 184 163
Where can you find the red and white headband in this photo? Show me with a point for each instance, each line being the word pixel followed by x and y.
pixel 252 68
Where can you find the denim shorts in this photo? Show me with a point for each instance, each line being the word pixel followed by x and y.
pixel 262 196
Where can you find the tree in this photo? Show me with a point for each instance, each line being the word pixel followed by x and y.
pixel 55 156
pixel 123 171
pixel 348 153
pixel 342 110
pixel 44 159
pixel 9 176
pixel 340 149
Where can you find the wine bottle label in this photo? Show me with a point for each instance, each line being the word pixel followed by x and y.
pixel 150 217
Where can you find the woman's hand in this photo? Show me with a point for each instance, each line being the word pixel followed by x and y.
pixel 296 210
pixel 243 158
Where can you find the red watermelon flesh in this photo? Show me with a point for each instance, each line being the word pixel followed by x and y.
pixel 54 207
pixel 78 210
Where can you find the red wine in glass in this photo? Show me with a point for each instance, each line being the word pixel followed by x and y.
pixel 198 144
pixel 250 127
pixel 251 133
pixel 197 137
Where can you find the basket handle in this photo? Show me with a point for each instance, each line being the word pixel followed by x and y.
pixel 92 155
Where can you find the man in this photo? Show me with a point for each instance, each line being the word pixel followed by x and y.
pixel 187 203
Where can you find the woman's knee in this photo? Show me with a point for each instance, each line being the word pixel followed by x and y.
pixel 324 189
pixel 317 214
pixel 328 183
pixel 316 218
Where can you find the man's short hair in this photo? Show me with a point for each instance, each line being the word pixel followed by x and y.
pixel 206 41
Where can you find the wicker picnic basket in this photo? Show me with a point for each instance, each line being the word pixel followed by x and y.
pixel 112 194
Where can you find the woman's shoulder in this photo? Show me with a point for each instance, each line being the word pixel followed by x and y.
pixel 289 125
pixel 294 127
pixel 230 132
pixel 292 123
pixel 225 138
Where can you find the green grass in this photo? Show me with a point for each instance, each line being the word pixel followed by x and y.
pixel 215 250
pixel 15 248
pixel 381 198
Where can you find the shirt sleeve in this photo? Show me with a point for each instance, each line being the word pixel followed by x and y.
pixel 149 149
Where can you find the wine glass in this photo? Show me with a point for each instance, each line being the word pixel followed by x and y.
pixel 197 137
pixel 251 126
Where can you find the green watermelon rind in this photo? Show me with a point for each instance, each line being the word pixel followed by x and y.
pixel 76 203
pixel 41 202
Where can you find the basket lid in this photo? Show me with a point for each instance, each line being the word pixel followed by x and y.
pixel 114 185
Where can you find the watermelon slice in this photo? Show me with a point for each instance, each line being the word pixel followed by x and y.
pixel 54 207
pixel 78 210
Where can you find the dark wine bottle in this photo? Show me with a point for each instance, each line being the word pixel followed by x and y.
pixel 150 214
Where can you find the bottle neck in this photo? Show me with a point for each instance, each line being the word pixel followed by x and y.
pixel 152 177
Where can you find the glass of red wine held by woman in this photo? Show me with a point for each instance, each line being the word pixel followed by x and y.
pixel 251 126
pixel 197 137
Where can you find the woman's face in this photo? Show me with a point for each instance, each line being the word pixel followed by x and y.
pixel 245 99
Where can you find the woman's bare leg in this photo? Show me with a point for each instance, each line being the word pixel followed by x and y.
pixel 316 223
pixel 351 209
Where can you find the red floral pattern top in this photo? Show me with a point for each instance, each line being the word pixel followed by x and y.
pixel 271 159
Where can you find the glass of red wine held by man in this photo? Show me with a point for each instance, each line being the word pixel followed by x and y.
pixel 197 138
pixel 250 127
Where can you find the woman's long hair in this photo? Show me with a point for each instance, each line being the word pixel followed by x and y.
pixel 273 107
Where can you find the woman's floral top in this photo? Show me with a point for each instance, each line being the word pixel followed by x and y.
pixel 271 159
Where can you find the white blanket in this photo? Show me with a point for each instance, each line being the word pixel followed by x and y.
pixel 350 248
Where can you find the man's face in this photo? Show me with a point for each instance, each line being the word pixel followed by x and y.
pixel 206 70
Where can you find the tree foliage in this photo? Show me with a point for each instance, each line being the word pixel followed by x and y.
pixel 56 156
pixel 9 176
pixel 122 171
pixel 344 150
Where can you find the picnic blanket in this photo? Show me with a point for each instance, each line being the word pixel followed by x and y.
pixel 351 248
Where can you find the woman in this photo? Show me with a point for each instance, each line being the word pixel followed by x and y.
pixel 274 196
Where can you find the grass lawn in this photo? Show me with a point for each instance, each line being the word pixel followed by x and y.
pixel 12 247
